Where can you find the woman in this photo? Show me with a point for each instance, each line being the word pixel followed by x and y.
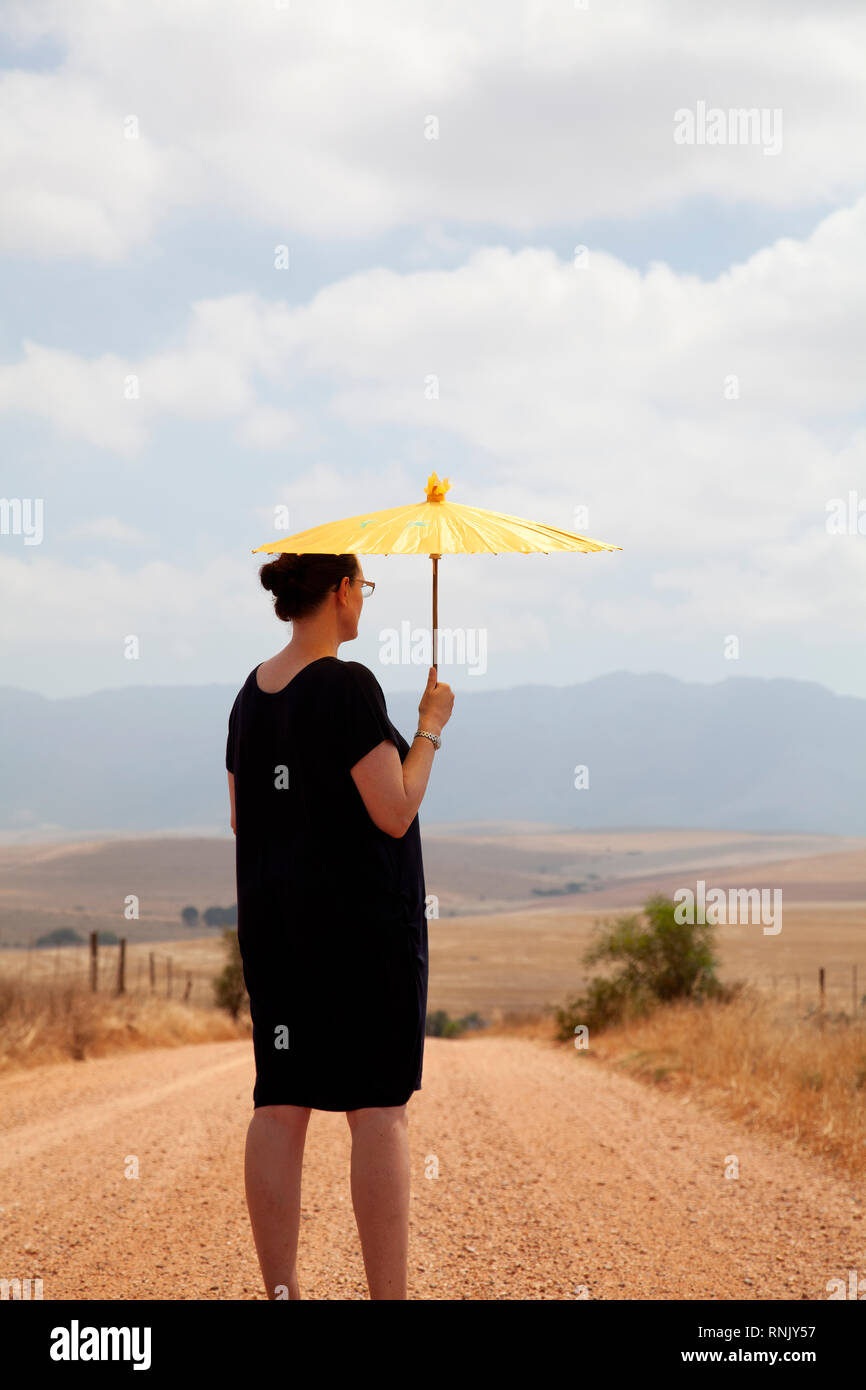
pixel 331 921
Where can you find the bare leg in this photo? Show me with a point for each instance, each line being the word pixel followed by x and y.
pixel 380 1195
pixel 272 1173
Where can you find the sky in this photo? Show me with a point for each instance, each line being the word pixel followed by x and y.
pixel 270 263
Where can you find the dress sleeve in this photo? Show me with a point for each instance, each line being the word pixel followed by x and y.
pixel 230 741
pixel 363 716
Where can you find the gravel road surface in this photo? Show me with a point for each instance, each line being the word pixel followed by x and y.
pixel 557 1179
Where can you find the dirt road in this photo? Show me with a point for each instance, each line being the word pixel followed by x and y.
pixel 555 1177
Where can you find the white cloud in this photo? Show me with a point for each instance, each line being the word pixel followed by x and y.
pixel 311 117
pixel 109 528
pixel 598 386
pixel 82 399
pixel 74 184
pixel 267 428
pixel 815 589
pixel 98 602
pixel 114 403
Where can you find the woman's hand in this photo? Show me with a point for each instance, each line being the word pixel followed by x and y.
pixel 434 711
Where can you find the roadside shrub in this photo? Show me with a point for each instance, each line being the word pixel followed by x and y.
pixel 655 959
pixel 229 987
pixel 440 1024
pixel 221 916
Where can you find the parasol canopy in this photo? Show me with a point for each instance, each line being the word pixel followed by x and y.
pixel 433 527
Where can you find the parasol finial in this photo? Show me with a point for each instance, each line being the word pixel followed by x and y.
pixel 435 490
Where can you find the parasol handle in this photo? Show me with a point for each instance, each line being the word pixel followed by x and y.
pixel 435 559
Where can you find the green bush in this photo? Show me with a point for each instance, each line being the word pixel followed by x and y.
pixel 656 960
pixel 229 987
pixel 61 936
pixel 440 1024
pixel 220 916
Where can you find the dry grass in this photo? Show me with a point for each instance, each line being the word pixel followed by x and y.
pixel 194 964
pixel 533 1025
pixel 42 1021
pixel 757 1061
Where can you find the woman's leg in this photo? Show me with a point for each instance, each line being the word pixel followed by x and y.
pixel 272 1173
pixel 380 1195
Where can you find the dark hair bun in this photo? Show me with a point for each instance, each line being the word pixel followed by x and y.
pixel 280 575
pixel 300 583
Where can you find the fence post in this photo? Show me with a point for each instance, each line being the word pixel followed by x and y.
pixel 121 967
pixel 188 989
pixel 822 994
pixel 94 962
pixel 152 973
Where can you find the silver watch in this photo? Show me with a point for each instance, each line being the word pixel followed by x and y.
pixel 434 738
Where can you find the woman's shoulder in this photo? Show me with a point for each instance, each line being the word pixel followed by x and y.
pixel 359 682
pixel 360 676
pixel 358 671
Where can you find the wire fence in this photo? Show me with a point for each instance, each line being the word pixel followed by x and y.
pixel 118 968
pixel 180 974
pixel 825 990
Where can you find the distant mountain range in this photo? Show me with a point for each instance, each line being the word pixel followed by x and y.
pixel 744 754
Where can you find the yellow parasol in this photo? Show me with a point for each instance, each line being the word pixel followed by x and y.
pixel 433 527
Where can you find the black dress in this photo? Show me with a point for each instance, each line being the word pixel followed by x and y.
pixel 331 910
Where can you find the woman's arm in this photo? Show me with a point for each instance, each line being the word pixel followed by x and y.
pixel 231 778
pixel 392 791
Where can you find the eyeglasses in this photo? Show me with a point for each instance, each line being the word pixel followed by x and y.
pixel 367 586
